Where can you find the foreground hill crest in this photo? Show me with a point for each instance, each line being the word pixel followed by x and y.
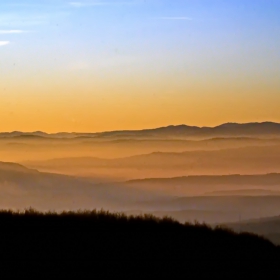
pixel 119 245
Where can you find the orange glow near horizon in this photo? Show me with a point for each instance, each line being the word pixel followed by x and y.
pixel 82 104
pixel 119 107
pixel 90 68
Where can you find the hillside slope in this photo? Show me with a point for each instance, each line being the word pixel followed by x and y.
pixel 21 187
pixel 101 244
pixel 268 227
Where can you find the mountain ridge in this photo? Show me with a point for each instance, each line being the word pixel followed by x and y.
pixel 225 129
pixel 269 178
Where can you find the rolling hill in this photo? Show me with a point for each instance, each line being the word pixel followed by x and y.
pixel 245 160
pixel 202 185
pixel 103 245
pixel 22 187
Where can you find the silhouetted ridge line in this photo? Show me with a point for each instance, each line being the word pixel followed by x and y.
pixel 270 178
pixel 103 244
pixel 11 166
pixel 225 130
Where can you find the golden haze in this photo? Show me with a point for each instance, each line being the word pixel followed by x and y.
pixel 76 103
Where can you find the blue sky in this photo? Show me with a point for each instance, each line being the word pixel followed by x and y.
pixel 205 48
pixel 140 28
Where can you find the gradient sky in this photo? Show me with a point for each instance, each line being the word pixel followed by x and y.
pixel 106 65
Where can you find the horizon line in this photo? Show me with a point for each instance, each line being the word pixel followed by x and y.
pixel 130 130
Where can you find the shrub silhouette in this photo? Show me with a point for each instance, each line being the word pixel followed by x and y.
pixel 101 244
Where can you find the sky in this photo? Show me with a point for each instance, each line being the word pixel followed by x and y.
pixel 90 65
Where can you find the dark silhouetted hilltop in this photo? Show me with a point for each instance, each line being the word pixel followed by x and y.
pixel 100 244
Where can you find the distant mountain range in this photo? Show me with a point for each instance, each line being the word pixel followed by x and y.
pixel 172 131
pixel 264 180
pixel 213 185
pixel 244 192
pixel 250 160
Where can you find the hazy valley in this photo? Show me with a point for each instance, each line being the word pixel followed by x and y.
pixel 176 171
